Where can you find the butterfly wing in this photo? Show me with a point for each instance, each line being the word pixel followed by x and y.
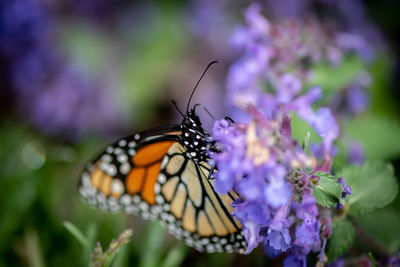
pixel 191 209
pixel 151 174
pixel 122 178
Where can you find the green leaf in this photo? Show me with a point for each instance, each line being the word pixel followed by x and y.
pixel 344 74
pixel 151 246
pixel 377 134
pixel 371 258
pixel 175 256
pixel 383 226
pixel 77 234
pixel 302 131
pixel 341 239
pixel 328 191
pixel 373 185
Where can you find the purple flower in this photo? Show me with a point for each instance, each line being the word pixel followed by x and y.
pixel 345 187
pixel 271 252
pixel 356 154
pixel 325 125
pixel 302 104
pixel 251 233
pixel 278 236
pixel 307 209
pixel 307 234
pixel 295 259
pixel 252 211
pixel 258 24
pixel 258 158
pixel 357 99
pixel 252 216
pixel 340 262
pixel 55 93
pixel 278 193
pixel 288 87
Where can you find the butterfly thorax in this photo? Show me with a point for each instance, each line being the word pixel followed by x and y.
pixel 196 140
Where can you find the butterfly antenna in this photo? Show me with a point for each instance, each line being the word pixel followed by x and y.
pixel 206 110
pixel 176 107
pixel 201 77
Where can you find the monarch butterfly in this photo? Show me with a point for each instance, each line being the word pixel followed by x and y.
pixel 162 174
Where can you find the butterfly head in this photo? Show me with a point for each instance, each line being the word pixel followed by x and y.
pixel 195 138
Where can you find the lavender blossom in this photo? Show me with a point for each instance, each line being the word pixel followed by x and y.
pixel 356 153
pixel 258 157
pixel 54 92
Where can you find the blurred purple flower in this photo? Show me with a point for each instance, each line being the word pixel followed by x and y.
pixel 258 158
pixel 277 193
pixel 307 234
pixel 340 262
pixel 288 87
pixel 278 236
pixel 295 259
pixel 357 99
pixel 356 153
pixel 345 187
pixel 57 95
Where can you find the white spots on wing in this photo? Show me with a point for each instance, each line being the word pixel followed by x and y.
pixel 122 158
pixel 111 170
pixel 187 134
pixel 86 180
pixel 205 241
pixel 159 199
pixel 132 152
pixel 118 150
pixel 106 158
pixel 156 210
pixel 117 187
pixel 197 136
pixel 136 136
pixel 131 209
pixel 122 142
pixel 101 198
pixel 136 199
pixel 229 248
pixel 161 178
pixel 193 154
pixel 109 149
pixel 157 188
pixel 166 207
pixel 132 144
pixel 210 248
pixel 143 206
pixel 164 162
pixel 126 200
pixel 195 143
pixel 125 168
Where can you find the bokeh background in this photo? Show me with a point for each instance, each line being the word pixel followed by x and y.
pixel 76 75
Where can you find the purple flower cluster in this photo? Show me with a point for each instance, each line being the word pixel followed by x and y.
pixel 283 55
pixel 277 63
pixel 56 93
pixel 274 175
pixel 259 159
